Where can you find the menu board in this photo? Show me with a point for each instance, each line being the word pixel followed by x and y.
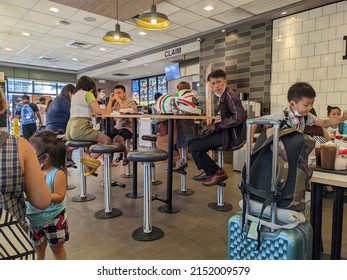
pixel 152 88
pixel 162 85
pixel 135 91
pixel 143 92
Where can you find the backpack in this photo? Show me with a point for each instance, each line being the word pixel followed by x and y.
pixel 27 114
pixel 293 173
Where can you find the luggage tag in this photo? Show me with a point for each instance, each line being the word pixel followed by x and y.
pixel 252 232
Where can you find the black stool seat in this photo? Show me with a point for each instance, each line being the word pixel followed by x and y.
pixel 150 137
pixel 78 143
pixel 107 149
pixel 147 155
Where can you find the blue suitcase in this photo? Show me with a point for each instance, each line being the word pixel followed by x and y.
pixel 282 244
pixel 275 242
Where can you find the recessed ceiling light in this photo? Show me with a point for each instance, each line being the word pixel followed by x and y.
pixel 142 33
pixel 75 59
pixel 53 9
pixel 102 49
pixel 124 60
pixel 223 30
pixel 208 8
pixel 55 66
pixel 8 49
pixel 25 33
pixel 90 19
pixel 284 13
pixel 145 64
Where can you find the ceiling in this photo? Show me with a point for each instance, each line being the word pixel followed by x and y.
pixel 71 40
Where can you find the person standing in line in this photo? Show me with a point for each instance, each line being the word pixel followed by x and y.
pixel 43 111
pixel 28 112
pixel 123 126
pixel 50 225
pixel 226 134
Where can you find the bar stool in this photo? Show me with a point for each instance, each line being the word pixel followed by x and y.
pixel 107 151
pixel 147 156
pixel 127 167
pixel 153 139
pixel 220 205
pixel 81 145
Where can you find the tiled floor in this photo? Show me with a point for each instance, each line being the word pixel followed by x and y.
pixel 195 232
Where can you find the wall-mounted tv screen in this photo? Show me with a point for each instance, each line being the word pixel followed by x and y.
pixel 172 72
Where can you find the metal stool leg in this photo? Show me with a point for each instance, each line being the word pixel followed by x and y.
pixel 154 180
pixel 83 182
pixel 184 191
pixel 108 212
pixel 147 232
pixel 220 205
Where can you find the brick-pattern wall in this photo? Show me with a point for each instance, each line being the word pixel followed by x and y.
pixel 245 55
pixel 309 47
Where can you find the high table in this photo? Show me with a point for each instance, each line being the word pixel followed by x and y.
pixel 338 180
pixel 168 207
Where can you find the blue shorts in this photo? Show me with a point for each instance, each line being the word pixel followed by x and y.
pixel 56 232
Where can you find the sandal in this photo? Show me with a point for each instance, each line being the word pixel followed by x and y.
pixel 91 164
pixel 125 161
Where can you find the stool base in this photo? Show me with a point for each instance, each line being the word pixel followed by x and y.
pixel 222 208
pixel 108 215
pixel 70 187
pixel 88 197
pixel 156 182
pixel 139 235
pixel 165 209
pixel 132 195
pixel 184 193
pixel 126 176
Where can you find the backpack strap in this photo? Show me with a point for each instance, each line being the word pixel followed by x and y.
pixel 3 136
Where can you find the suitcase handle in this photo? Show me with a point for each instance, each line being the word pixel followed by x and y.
pixel 276 126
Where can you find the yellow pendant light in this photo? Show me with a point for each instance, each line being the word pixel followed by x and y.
pixel 117 36
pixel 153 20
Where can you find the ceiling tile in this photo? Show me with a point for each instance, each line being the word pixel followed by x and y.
pixel 262 6
pixel 205 24
pixel 184 17
pixel 183 3
pixel 233 15
pixel 183 32
pixel 218 6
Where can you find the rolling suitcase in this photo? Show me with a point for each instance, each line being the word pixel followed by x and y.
pixel 283 235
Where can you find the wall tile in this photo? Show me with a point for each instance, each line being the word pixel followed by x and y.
pixel 344 71
pixel 329 34
pixel 336 19
pixel 329 9
pixel 296 28
pixel 301 63
pixel 318 12
pixel 328 59
pixel 335 72
pixel 307 50
pixel 322 22
pixel 333 97
pixel 328 85
pixel 336 45
pixel 341 30
pixel 340 85
pixel 341 6
pixel 283 54
pixel 289 65
pixel 295 52
pixel 315 36
pixel 283 77
pixel 314 61
pixel 302 16
pixel 301 39
pixel 294 76
pixel 320 73
pixel 321 48
pixel 307 74
pixel 309 25
pixel 321 98
pixel 339 58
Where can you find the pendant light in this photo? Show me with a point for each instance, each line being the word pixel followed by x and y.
pixel 117 36
pixel 153 20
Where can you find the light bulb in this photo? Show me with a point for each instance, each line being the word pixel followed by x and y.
pixel 153 21
pixel 116 37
